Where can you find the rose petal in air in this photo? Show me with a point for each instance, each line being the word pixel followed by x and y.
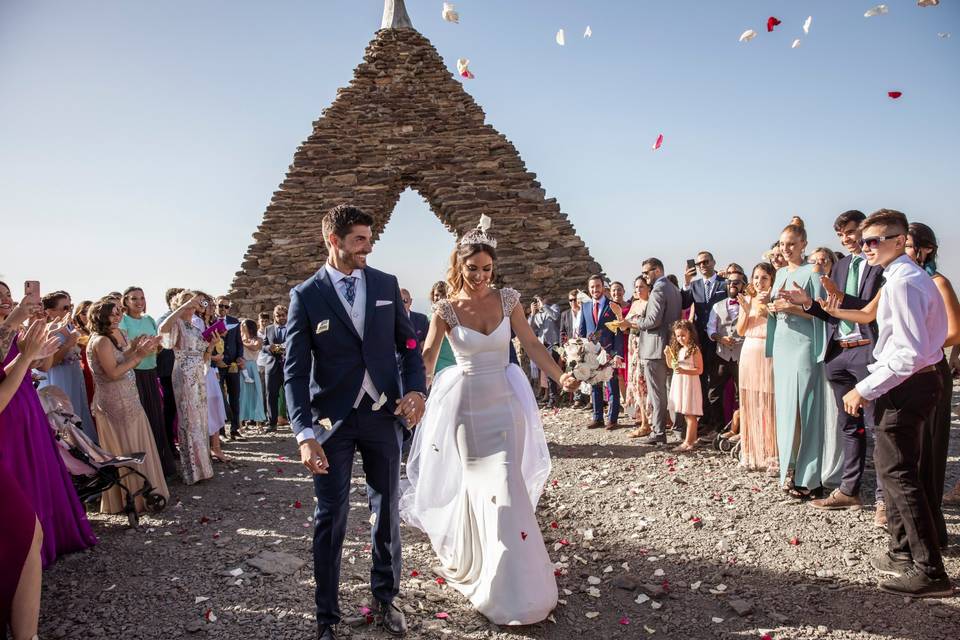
pixel 748 35
pixel 894 94
pixel 772 23
pixel 523 535
pixel 658 143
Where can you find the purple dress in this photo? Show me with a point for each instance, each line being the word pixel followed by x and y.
pixel 28 452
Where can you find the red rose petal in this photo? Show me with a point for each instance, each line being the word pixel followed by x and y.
pixel 440 581
pixel 695 519
pixel 894 94
pixel 729 499
pixel 554 525
pixel 204 519
pixel 658 143
pixel 558 572
pixel 766 636
pixel 794 541
pixel 523 535
pixel 555 483
pixel 624 620
pixel 297 505
pixel 414 574
pixel 563 541
pixel 771 23
pixel 443 615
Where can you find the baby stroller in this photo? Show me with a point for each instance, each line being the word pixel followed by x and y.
pixel 724 443
pixel 93 469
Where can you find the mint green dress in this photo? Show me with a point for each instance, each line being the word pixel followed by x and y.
pixel 796 345
pixel 445 358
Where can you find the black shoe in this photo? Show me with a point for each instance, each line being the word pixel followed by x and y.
pixel 236 435
pixel 654 439
pixel 392 619
pixel 916 584
pixel 891 565
pixel 326 632
pixel 223 432
pixel 271 429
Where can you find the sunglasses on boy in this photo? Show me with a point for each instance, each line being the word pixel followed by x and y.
pixel 874 241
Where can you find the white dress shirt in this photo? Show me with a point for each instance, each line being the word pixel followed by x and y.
pixel 733 309
pixel 912 324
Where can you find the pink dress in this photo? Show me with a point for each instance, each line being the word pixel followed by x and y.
pixel 758 423
pixel 685 389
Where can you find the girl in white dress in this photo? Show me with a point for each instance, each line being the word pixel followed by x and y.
pixel 479 460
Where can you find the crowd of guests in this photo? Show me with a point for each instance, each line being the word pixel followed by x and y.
pixel 799 360
pixel 169 388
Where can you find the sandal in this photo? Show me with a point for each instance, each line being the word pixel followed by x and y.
pixel 640 432
pixel 683 447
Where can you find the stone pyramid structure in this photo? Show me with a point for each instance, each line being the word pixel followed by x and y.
pixel 405 121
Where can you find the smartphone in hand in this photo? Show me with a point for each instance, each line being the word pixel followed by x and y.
pixel 691 263
pixel 31 291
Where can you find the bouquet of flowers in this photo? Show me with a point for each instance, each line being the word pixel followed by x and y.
pixel 588 362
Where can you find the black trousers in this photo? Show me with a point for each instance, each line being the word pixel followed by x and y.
pixel 933 454
pixel 723 371
pixel 148 388
pixel 169 409
pixel 230 386
pixel 712 410
pixel 553 391
pixel 274 389
pixel 377 435
pixel 901 414
pixel 845 368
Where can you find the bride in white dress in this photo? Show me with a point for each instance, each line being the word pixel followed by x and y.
pixel 479 460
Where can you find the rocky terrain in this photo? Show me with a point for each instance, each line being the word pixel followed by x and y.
pixel 647 544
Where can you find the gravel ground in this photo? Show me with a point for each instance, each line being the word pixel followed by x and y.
pixel 652 544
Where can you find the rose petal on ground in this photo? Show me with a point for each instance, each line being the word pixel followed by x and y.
pixel 794 541
pixel 297 505
pixel 624 620
pixel 210 616
pixel 440 581
pixel 442 615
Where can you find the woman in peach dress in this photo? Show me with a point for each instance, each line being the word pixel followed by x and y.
pixel 758 424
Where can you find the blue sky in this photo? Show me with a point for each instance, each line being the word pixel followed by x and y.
pixel 142 140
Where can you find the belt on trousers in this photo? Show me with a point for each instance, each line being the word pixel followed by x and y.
pixel 850 344
pixel 930 368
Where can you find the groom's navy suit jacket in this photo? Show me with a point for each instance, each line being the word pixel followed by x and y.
pixel 326 357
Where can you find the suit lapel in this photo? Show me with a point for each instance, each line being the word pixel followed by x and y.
pixel 371 301
pixel 329 294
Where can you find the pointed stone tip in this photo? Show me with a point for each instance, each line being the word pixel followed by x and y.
pixel 395 15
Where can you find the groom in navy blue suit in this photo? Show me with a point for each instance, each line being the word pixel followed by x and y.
pixel 594 316
pixel 347 330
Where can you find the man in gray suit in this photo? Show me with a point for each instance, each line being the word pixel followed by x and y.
pixel 663 309
pixel 545 322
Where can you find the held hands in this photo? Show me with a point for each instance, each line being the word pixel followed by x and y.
pixel 410 407
pixel 313 458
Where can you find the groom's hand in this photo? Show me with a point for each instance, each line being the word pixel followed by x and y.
pixel 313 458
pixel 410 407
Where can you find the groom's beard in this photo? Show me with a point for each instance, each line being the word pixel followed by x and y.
pixel 352 260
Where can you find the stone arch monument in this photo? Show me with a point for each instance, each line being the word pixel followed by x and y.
pixel 405 121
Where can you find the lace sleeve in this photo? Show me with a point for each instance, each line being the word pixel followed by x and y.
pixel 445 310
pixel 510 298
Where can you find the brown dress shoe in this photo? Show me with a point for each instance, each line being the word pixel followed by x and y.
pixel 639 432
pixel 838 500
pixel 613 424
pixel 880 516
pixel 594 425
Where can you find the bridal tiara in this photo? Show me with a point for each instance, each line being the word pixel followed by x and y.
pixel 479 235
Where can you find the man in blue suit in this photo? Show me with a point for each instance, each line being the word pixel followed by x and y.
pixel 594 316
pixel 420 322
pixel 345 391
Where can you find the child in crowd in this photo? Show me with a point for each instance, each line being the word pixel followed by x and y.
pixel 684 357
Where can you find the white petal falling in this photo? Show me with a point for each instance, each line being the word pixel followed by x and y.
pixel 943 35
pixel 485 223
pixel 588 33
pixel 807 23
pixel 450 13
pixel 561 40
pixel 878 10
pixel 796 43
pixel 748 35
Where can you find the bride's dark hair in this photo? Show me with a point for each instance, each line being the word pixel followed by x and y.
pixel 460 255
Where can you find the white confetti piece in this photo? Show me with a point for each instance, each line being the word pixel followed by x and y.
pixel 655 605
pixel 449 13
pixel 561 40
pixel 235 573
pixel 796 43
pixel 200 599
pixel 593 591
pixel 594 580
pixel 695 585
pixel 878 10
pixel 592 614
pixel 658 573
pixel 748 35
pixel 373 519
pixel 197 497
pixel 642 598
pixel 588 33
pixel 807 23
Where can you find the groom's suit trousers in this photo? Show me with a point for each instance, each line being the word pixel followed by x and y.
pixel 377 435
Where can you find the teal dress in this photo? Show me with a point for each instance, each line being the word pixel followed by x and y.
pixel 796 345
pixel 445 358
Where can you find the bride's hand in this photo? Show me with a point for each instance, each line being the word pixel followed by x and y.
pixel 411 407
